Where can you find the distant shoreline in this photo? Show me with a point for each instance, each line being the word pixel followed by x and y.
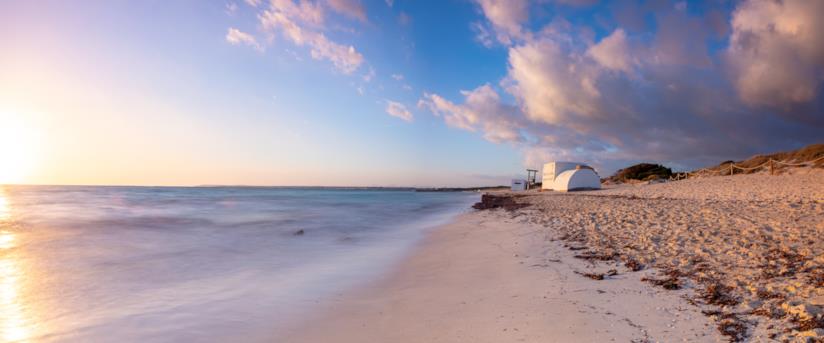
pixel 342 188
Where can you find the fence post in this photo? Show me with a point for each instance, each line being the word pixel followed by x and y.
pixel 731 170
pixel 772 172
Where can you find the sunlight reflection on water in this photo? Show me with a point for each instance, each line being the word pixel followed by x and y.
pixel 137 264
pixel 14 325
pixel 4 205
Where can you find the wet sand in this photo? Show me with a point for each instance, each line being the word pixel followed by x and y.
pixel 725 258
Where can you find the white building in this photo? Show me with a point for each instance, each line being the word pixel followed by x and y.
pixel 567 176
pixel 553 169
pixel 518 185
pixel 577 179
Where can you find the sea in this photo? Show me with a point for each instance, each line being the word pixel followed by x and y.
pixel 195 264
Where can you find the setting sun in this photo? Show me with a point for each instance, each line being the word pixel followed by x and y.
pixel 18 148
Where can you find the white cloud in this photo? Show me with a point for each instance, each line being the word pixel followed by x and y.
pixel 390 3
pixel 777 51
pixel 482 110
pixel 350 8
pixel 506 17
pixel 253 3
pixel 369 75
pixel 300 23
pixel 397 109
pixel 612 52
pixel 236 37
pixel 231 8
pixel 552 85
pixel 671 100
pixel 482 34
pixel 398 77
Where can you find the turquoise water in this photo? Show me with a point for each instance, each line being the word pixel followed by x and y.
pixel 194 264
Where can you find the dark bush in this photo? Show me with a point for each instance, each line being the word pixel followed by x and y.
pixel 642 171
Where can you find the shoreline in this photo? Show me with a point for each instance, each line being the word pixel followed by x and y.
pixel 487 277
pixel 551 267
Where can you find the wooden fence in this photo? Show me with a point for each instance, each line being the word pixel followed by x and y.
pixel 771 163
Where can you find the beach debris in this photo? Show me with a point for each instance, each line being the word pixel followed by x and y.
pixel 599 276
pixel 594 276
pixel 719 294
pixel 594 256
pixel 745 245
pixel 633 264
pixel 671 281
pixel 299 232
pixel 492 201
pixel 732 326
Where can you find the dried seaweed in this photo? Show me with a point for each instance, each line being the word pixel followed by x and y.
pixel 719 294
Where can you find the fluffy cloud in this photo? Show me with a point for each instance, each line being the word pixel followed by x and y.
pixel 577 2
pixel 655 96
pixel 302 23
pixel 236 37
pixel 552 85
pixel 397 109
pixel 482 110
pixel 506 17
pixel 777 51
pixel 613 52
pixel 253 3
pixel 350 8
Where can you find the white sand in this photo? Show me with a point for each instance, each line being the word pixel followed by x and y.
pixel 488 278
pixel 760 238
pixel 500 276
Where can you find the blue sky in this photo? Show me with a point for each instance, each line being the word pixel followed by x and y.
pixel 349 92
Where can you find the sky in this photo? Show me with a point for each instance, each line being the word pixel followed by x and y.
pixel 398 92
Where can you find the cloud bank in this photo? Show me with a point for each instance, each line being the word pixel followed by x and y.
pixel 696 90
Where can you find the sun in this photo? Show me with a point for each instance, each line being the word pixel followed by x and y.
pixel 18 147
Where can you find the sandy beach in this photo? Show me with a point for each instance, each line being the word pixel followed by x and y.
pixel 713 259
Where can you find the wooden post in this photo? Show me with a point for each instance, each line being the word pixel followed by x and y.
pixel 732 171
pixel 772 172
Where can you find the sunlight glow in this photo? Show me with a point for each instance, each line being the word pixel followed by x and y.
pixel 18 147
pixel 5 210
pixel 13 324
pixel 6 240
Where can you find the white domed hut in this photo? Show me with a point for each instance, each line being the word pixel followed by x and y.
pixel 580 178
pixel 552 170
